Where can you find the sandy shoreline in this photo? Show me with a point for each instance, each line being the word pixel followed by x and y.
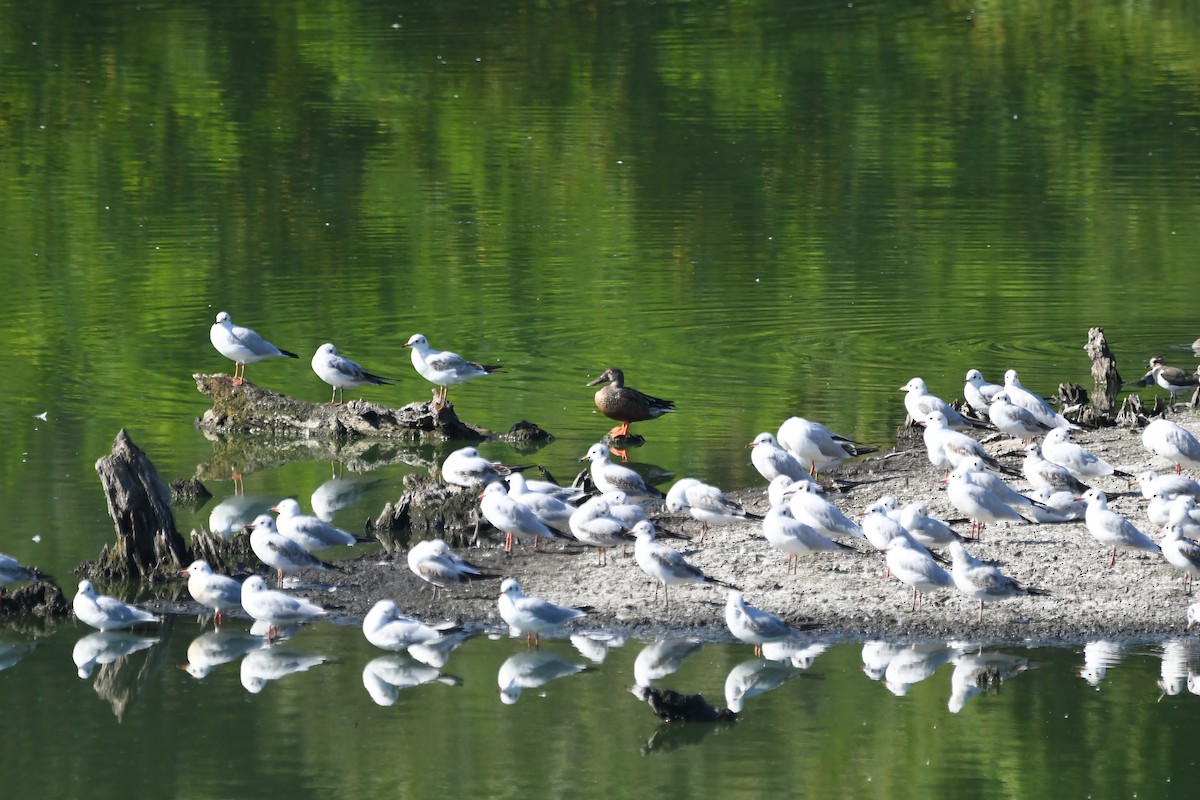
pixel 1142 597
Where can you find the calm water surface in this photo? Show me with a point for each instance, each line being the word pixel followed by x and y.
pixel 756 210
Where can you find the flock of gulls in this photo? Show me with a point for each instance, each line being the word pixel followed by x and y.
pixel 612 509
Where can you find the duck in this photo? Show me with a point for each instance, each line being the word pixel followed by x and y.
pixel 625 405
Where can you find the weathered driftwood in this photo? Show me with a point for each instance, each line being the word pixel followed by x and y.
pixel 1134 414
pixel 1104 372
pixel 251 409
pixel 226 556
pixel 147 545
pixel 429 509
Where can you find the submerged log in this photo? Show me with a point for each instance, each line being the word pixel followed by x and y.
pixel 251 409
pixel 1104 372
pixel 147 545
pixel 39 599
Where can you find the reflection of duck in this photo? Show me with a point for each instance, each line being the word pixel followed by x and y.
pixel 386 676
pixel 624 404
pixel 529 670
pixel 260 667
pixel 977 672
pixel 1098 656
pixel 661 658
pixel 105 647
pixel 216 647
pixel 671 706
pixel 755 677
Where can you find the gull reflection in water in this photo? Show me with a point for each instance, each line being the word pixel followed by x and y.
pixel 800 656
pixel 755 677
pixel 975 673
pixel 217 647
pixel 530 670
pixel 1098 656
pixel 594 645
pixel 1178 666
pixel 386 676
pixel 437 653
pixel 260 667
pixel 337 493
pixel 235 513
pixel 106 647
pixel 877 655
pixel 915 663
pixel 662 658
pixel 12 651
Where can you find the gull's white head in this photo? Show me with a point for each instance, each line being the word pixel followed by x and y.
pixel 417 342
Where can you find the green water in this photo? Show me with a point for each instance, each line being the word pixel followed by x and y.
pixel 755 209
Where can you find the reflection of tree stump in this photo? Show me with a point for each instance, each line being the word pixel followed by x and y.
pixel 147 546
pixel 1104 372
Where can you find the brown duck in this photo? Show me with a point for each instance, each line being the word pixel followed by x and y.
pixel 617 401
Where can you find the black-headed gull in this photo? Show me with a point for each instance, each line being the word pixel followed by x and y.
pixel 443 368
pixel 465 467
pixel 946 447
pixel 592 524
pixel 975 471
pixel 771 460
pixel 753 625
pixel 1054 507
pixel 511 518
pixel 106 613
pixel 341 373
pixel 920 404
pixel 275 608
pixel 1171 483
pixel 242 346
pixel 13 571
pixel 810 506
pixel 912 564
pixel 532 616
pixel 706 504
pixel 1058 447
pixel 979 392
pixel 926 528
pixel 625 405
pixel 279 552
pixel 553 511
pixel 981 581
pixel 1182 553
pixel 1045 474
pixel 1113 530
pixel 218 592
pixel 666 565
pixel 817 448
pixel 979 504
pixel 434 562
pixel 1015 421
pixel 1031 402
pixel 386 628
pixel 794 538
pixel 610 477
pixel 1169 440
pixel 312 533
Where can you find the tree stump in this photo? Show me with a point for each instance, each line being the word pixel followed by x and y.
pixel 428 509
pixel 1104 372
pixel 148 546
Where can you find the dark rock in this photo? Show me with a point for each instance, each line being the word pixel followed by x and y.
pixel 526 437
pixel 39 599
pixel 189 491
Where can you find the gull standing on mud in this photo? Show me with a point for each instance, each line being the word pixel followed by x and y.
pixel 387 629
pixel 593 525
pixel 279 552
pixel 1167 439
pixel 443 368
pixel 915 567
pixel 753 625
pixel 980 504
pixel 1045 474
pixel 1058 448
pixel 981 581
pixel 771 460
pixel 794 538
pixel 218 592
pixel 666 565
pixel 706 504
pixel 1031 402
pixel 342 373
pixel 1113 530
pixel 1182 553
pixel 920 404
pixel 434 562
pixel 947 448
pixel 978 392
pixel 810 506
pixel 610 477
pixel 510 517
pixel 817 448
pixel 242 346
pixel 532 616
pixel 1012 419
pixel 311 533
pixel 465 467
pixel 275 608
pixel 106 613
